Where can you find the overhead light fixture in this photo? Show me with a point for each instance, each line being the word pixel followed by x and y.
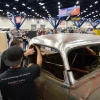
pixel 8 12
pixel 84 11
pixel 16 0
pixel 44 7
pixel 28 7
pixel 96 11
pixel 77 2
pixel 58 3
pixel 91 5
pixel 22 12
pixel 96 2
pixel 32 9
pixel 58 6
pixel 86 8
pixel 7 5
pixel 14 8
pixel 94 16
pixel 1 10
pixel 23 4
pixel 41 4
pixel 17 11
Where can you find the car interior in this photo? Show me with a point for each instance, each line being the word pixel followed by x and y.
pixel 82 62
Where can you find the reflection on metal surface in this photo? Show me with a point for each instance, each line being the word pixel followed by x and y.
pixel 50 86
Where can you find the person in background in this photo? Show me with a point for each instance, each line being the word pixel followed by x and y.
pixel 25 40
pixel 8 37
pixel 43 32
pixel 15 34
pixel 5 67
pixel 18 81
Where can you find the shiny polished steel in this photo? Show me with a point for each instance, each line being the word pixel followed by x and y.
pixel 64 42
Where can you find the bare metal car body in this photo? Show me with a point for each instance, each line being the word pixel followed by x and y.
pixel 51 88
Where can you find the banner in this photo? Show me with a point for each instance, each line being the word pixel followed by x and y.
pixel 70 11
pixel 76 18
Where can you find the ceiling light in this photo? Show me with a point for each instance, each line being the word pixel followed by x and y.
pixel 91 6
pixel 14 8
pixel 16 0
pixel 44 7
pixel 96 2
pixel 84 11
pixel 28 7
pixel 7 5
pixel 92 12
pixel 17 11
pixel 96 11
pixel 1 10
pixel 41 4
pixel 58 6
pixel 86 8
pixel 23 4
pixel 22 12
pixel 35 13
pixel 8 12
pixel 77 2
pixel 32 9
pixel 94 16
pixel 58 3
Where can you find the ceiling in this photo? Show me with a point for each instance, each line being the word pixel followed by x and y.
pixel 46 8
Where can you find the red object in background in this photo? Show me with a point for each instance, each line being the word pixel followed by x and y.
pixel 18 19
pixel 76 11
pixel 43 32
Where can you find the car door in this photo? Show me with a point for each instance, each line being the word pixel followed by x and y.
pixel 51 88
pixel 50 85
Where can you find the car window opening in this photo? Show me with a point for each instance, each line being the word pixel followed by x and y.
pixel 52 63
pixel 82 61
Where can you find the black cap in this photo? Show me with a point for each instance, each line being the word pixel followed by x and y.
pixel 13 56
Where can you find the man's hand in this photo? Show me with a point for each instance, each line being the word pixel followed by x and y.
pixel 29 52
pixel 31 64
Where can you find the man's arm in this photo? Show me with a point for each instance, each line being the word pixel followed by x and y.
pixel 39 56
pixel 91 51
pixel 29 52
